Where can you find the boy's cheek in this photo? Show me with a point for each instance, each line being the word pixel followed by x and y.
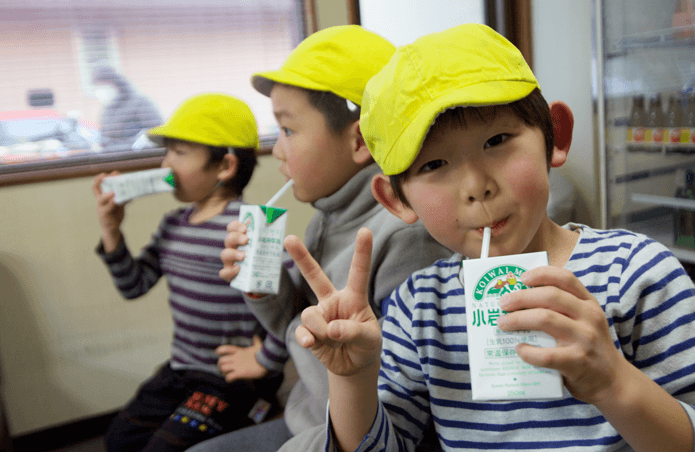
pixel 431 206
pixel 526 179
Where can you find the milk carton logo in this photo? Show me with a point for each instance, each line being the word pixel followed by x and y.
pixel 498 281
pixel 248 222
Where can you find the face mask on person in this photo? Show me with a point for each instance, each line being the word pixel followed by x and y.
pixel 105 94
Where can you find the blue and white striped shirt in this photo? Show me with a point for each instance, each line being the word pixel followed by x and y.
pixel 206 311
pixel 649 302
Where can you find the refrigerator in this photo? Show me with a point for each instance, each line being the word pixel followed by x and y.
pixel 644 96
pixel 644 103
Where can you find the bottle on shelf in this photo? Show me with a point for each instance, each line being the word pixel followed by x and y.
pixel 674 122
pixel 654 130
pixel 684 219
pixel 688 134
pixel 636 123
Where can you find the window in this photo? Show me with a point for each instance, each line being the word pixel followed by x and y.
pixel 55 114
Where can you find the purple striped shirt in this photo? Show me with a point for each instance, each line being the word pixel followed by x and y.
pixel 206 311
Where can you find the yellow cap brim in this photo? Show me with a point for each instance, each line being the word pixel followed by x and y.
pixel 158 134
pixel 263 81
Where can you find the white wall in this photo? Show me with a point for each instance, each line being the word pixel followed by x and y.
pixel 403 21
pixel 562 34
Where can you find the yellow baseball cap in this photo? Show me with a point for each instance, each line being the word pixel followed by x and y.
pixel 467 65
pixel 212 119
pixel 337 59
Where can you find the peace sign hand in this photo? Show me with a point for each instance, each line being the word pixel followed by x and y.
pixel 342 330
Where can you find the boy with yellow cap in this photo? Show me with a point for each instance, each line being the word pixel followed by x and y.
pixel 457 122
pixel 316 96
pixel 211 141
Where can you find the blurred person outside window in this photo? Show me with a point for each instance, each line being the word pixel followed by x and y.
pixel 126 113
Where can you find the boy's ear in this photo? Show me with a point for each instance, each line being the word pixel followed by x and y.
pixel 563 123
pixel 383 192
pixel 360 154
pixel 228 167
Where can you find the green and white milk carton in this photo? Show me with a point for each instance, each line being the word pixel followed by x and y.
pixel 265 226
pixel 260 270
pixel 497 373
pixel 140 183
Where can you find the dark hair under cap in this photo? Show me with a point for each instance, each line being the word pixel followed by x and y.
pixel 334 108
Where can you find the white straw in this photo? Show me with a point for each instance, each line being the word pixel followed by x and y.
pixel 280 192
pixel 486 243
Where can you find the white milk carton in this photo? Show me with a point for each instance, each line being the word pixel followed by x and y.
pixel 260 270
pixel 497 373
pixel 141 183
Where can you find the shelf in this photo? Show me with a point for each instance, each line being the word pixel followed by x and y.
pixel 661 229
pixel 664 201
pixel 666 38
pixel 644 164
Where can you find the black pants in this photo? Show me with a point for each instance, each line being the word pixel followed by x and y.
pixel 176 409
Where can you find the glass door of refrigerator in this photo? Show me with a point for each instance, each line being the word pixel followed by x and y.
pixel 644 89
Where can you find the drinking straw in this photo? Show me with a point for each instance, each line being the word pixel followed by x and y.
pixel 280 192
pixel 486 243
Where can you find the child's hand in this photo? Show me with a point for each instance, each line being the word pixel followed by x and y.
pixel 239 363
pixel 342 330
pixel 559 304
pixel 110 214
pixel 236 236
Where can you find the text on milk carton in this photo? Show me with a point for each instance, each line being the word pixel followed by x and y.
pixel 497 372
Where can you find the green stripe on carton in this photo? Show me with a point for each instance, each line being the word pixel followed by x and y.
pixel 170 180
pixel 272 213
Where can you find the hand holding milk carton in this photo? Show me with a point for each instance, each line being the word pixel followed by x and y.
pixel 259 272
pixel 497 373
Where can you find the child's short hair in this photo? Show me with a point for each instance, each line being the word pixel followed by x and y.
pixel 334 108
pixel 333 65
pixel 246 163
pixel 532 110
pixel 470 65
